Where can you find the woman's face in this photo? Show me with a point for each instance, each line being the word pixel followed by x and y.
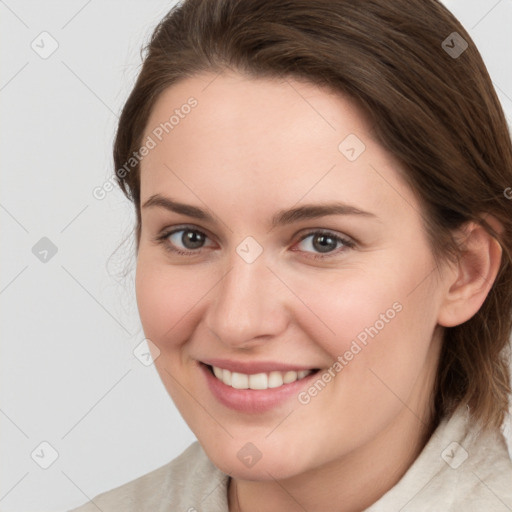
pixel 277 238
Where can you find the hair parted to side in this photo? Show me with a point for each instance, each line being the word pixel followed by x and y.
pixel 438 115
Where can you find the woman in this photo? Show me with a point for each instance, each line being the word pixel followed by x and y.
pixel 323 257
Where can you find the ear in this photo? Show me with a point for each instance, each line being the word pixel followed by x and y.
pixel 472 276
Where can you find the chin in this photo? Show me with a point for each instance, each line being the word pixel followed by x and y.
pixel 244 460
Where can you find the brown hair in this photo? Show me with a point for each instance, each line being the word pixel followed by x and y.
pixel 436 111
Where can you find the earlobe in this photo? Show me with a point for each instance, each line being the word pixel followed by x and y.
pixel 472 276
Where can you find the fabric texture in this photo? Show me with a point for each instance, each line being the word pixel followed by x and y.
pixel 459 468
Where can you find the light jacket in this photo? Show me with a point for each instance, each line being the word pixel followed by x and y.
pixel 459 470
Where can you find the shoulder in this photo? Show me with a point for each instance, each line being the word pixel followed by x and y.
pixel 485 475
pixel 460 468
pixel 189 482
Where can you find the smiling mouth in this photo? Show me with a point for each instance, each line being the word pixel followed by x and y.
pixel 258 381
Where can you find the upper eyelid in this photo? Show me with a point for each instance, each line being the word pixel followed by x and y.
pixel 192 227
pixel 314 231
pixel 182 227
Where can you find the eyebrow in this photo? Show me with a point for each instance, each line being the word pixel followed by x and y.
pixel 281 218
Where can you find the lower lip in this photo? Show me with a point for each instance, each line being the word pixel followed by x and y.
pixel 253 400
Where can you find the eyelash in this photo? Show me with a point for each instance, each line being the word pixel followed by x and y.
pixel 347 243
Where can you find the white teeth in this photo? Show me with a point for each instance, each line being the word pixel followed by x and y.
pixel 239 380
pixel 273 379
pixel 289 377
pixel 226 376
pixel 258 381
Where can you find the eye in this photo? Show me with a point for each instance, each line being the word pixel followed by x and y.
pixel 188 241
pixel 185 240
pixel 324 242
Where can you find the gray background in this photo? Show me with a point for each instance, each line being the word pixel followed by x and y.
pixel 69 376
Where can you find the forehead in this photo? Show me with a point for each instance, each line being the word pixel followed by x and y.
pixel 266 141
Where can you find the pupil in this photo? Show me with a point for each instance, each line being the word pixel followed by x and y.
pixel 324 243
pixel 192 239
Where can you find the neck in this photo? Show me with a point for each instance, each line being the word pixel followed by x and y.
pixel 351 484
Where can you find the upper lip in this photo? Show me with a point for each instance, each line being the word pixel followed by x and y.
pixel 252 367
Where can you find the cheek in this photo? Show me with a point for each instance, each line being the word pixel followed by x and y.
pixel 381 317
pixel 346 307
pixel 166 297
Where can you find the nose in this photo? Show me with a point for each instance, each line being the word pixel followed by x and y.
pixel 249 305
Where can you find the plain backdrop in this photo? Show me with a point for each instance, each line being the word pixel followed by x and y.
pixel 74 397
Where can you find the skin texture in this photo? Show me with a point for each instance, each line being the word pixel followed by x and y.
pixel 250 148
